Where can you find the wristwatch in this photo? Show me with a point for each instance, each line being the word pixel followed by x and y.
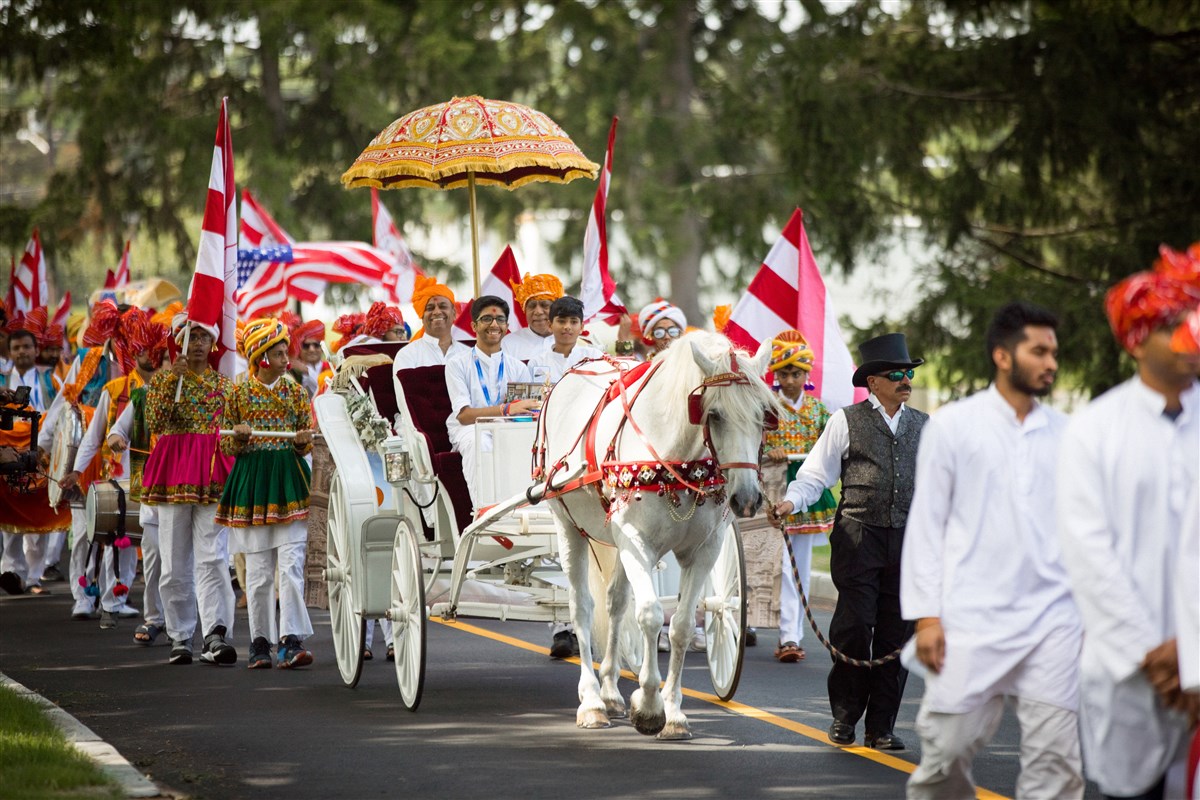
pixel 624 348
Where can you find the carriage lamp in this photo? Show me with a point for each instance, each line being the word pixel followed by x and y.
pixel 397 466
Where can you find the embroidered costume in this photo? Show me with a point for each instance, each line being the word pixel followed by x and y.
pixel 186 465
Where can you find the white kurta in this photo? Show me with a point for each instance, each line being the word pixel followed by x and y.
pixel 981 553
pixel 33 379
pixel 1124 480
pixel 1187 596
pixel 93 438
pixel 425 352
pixel 525 344
pixel 551 365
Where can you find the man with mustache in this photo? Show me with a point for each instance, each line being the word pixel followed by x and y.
pixel 872 448
pixel 982 574
pixel 534 294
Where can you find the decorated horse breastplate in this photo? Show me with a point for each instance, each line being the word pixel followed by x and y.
pixel 626 480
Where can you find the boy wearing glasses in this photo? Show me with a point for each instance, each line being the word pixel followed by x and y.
pixel 477 381
pixel 872 448
pixel 661 323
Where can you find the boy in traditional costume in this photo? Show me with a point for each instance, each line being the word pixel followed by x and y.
pixel 265 502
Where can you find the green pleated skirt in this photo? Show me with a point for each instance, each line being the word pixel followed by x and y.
pixel 266 487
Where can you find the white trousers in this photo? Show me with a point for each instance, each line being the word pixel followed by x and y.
pixel 1051 764
pixel 260 593
pixel 54 547
pixel 152 609
pixel 25 555
pixel 78 565
pixel 195 570
pixel 385 625
pixel 126 569
pixel 791 612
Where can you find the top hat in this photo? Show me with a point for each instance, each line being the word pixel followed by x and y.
pixel 881 354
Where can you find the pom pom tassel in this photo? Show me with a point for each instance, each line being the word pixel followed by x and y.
pixel 120 590
pixel 122 542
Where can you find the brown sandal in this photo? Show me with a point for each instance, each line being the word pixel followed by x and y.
pixel 789 653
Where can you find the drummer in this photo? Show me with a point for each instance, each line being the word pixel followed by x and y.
pixel 566 323
pixel 534 294
pixel 265 501
pixel 184 477
pixel 434 344
pixel 477 381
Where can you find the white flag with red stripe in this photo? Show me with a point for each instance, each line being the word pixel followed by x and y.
pixel 258 228
pixel 403 273
pixel 497 283
pixel 121 277
pixel 597 289
pixel 29 278
pixel 211 295
pixel 788 292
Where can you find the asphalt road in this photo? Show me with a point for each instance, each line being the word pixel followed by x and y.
pixel 497 720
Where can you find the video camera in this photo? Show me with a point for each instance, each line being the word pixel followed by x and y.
pixel 18 467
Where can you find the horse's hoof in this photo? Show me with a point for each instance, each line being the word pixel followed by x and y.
pixel 649 725
pixel 675 732
pixel 591 719
pixel 615 709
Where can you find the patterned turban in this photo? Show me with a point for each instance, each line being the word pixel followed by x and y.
pixel 180 324
pixel 259 336
pixel 349 326
pixel 313 329
pixel 790 349
pixel 425 288
pixel 1146 301
pixel 537 287
pixel 75 321
pixel 103 323
pixel 51 336
pixel 1186 338
pixel 380 319
pixel 655 311
pixel 128 337
pixel 34 321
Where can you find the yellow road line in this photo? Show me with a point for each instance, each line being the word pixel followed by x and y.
pixel 737 708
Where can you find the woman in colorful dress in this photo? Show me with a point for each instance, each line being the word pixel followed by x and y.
pixel 800 425
pixel 265 503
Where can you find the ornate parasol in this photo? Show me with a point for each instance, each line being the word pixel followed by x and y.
pixel 466 141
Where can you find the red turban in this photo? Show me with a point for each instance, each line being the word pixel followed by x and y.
pixel 128 337
pixel 1146 301
pixel 102 324
pixel 349 326
pixel 51 336
pixel 33 321
pixel 381 318
pixel 313 329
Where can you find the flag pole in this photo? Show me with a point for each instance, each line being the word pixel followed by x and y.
pixel 187 335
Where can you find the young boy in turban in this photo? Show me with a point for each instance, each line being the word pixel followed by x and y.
pixel 265 501
pixel 534 294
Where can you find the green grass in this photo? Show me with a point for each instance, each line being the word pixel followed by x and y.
pixel 38 763
pixel 820 562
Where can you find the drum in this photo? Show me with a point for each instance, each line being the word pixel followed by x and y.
pixel 105 518
pixel 67 436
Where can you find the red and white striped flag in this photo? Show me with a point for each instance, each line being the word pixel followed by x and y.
pixel 497 283
pixel 121 277
pixel 10 298
pixel 315 265
pixel 211 295
pixel 29 277
pixel 265 289
pixel 259 229
pixel 788 292
pixel 597 289
pixel 60 318
pixel 404 271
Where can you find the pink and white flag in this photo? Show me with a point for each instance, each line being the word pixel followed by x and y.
pixel 598 291
pixel 121 277
pixel 788 292
pixel 29 278
pixel 400 278
pixel 211 295
pixel 497 283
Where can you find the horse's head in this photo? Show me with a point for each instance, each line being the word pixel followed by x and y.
pixel 734 405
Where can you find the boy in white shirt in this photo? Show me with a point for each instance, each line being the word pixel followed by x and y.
pixel 566 323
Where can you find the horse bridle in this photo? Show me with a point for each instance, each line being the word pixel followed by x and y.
pixel 696 414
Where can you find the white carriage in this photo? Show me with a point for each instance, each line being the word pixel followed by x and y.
pixel 386 557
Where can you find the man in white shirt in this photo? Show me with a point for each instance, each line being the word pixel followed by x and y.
pixel 982 575
pixel 307 340
pixel 434 344
pixel 1130 463
pixel 534 294
pixel 872 448
pixel 477 381
pixel 566 323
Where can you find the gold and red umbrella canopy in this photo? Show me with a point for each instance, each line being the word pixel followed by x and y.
pixel 443 146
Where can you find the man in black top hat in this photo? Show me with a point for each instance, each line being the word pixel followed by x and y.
pixel 872 448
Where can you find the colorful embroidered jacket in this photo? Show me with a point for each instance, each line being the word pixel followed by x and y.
pixel 269 484
pixel 121 392
pixel 798 431
pixel 185 465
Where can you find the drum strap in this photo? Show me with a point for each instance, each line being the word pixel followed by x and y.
pixel 120 508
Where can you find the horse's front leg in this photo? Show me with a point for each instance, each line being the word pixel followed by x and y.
pixel 645 704
pixel 610 668
pixel 693 572
pixel 572 548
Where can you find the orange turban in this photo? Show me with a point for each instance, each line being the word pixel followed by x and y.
pixel 1186 338
pixel 791 349
pixel 425 288
pixel 313 329
pixel 381 318
pixel 1146 301
pixel 537 287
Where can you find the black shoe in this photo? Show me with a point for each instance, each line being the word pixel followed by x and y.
pixel 181 652
pixel 883 741
pixel 216 649
pixel 564 645
pixel 751 637
pixel 11 583
pixel 52 573
pixel 841 733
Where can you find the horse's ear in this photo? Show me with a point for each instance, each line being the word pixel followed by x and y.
pixel 762 359
pixel 706 364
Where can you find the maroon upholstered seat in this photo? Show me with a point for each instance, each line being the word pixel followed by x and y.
pixel 428 407
pixel 379 382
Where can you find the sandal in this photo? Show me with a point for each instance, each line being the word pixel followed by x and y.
pixel 367 654
pixel 789 653
pixel 37 589
pixel 146 634
pixel 391 653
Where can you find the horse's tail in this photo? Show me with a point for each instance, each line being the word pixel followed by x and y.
pixel 603 562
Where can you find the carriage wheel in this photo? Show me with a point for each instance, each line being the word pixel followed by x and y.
pixel 348 626
pixel 408 615
pixel 725 615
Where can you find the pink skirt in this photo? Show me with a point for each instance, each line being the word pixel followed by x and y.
pixel 185 468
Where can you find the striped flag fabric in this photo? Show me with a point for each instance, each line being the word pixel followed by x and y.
pixel 62 312
pixel 262 284
pixel 211 294
pixel 387 237
pixel 121 276
pixel 10 298
pixel 788 292
pixel 259 229
pixel 597 289
pixel 29 278
pixel 497 283
pixel 315 265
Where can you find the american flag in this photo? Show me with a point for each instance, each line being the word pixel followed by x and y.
pixel 268 292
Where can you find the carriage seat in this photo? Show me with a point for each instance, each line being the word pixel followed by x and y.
pixel 428 408
pixel 378 381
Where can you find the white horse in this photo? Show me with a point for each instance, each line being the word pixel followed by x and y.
pixel 702 404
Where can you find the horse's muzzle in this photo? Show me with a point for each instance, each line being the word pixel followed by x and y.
pixel 746 504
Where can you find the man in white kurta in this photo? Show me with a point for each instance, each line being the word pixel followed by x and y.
pixel 435 344
pixel 477 382
pixel 982 576
pixel 1130 462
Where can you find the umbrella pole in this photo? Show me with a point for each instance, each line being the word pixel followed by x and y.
pixel 474 230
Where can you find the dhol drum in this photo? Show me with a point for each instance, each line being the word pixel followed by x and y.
pixel 111 512
pixel 67 436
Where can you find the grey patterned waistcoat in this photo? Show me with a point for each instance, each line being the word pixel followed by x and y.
pixel 878 471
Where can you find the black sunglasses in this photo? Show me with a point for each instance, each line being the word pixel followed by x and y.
pixel 896 375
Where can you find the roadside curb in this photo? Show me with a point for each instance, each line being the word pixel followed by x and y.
pixel 132 782
pixel 820 587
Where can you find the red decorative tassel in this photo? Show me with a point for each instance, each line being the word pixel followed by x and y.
pixel 83 581
pixel 122 542
pixel 120 590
